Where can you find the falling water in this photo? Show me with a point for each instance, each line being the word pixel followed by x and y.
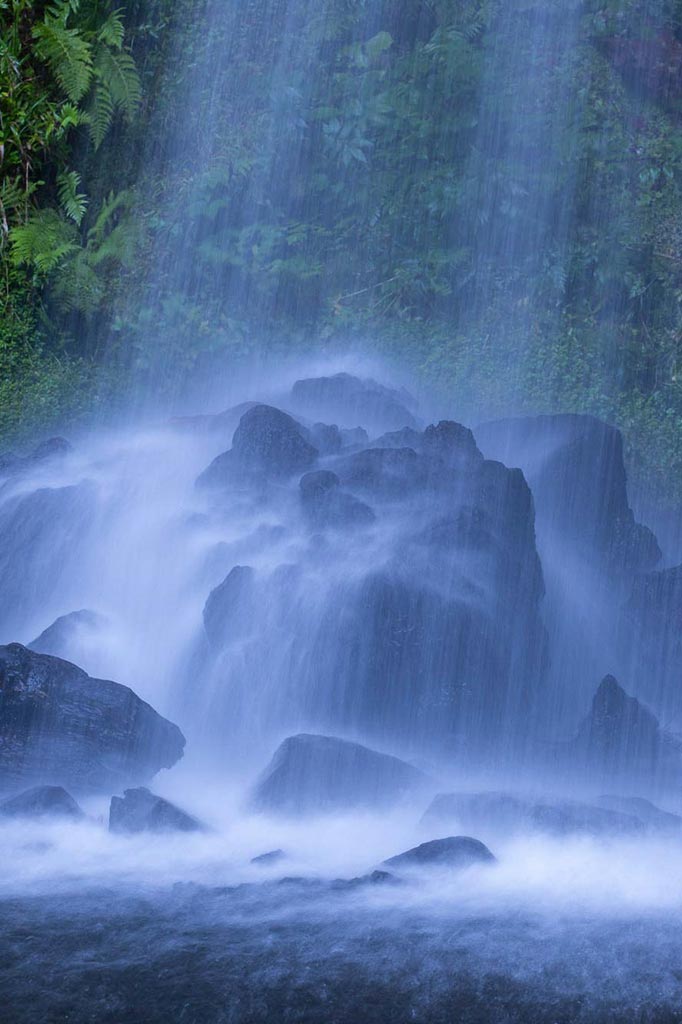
pixel 313 548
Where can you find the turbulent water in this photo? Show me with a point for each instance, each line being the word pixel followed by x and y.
pixel 568 925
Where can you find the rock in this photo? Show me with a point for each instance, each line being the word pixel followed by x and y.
pixel 408 437
pixel 498 812
pixel 649 814
pixel 265 859
pixel 620 737
pixel 452 852
pixel 326 505
pixel 67 632
pixel 54 447
pixel 326 438
pixel 267 443
pixel 383 472
pixel 58 725
pixel 315 774
pixel 229 609
pixel 650 636
pixel 42 801
pixel 576 470
pixel 354 437
pixel 42 535
pixel 350 400
pixel 138 810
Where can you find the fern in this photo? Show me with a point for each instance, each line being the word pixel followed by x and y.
pixel 100 113
pixel 112 32
pixel 66 52
pixel 73 202
pixel 118 73
pixel 44 241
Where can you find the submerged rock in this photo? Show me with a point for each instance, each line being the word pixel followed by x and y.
pixel 452 852
pixel 59 725
pixel 139 810
pixel 649 814
pixel 314 774
pixel 67 632
pixel 41 802
pixel 351 400
pixel 267 443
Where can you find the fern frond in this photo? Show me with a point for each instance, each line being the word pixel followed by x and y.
pixel 112 32
pixel 67 53
pixel 117 71
pixel 100 113
pixel 73 202
pixel 114 202
pixel 44 241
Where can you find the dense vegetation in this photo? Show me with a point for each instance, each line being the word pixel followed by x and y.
pixel 323 175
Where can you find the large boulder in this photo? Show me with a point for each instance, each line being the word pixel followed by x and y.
pixel 67 633
pixel 350 400
pixel 316 774
pixel 576 470
pixel 452 852
pixel 268 443
pixel 139 810
pixel 42 802
pixel 60 726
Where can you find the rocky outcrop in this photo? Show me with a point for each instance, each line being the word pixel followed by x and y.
pixel 139 810
pixel 265 860
pixel 621 742
pixel 268 443
pixel 350 400
pixel 650 635
pixel 59 726
pixel 229 609
pixel 325 504
pixel 506 813
pixel 452 852
pixel 12 464
pixel 42 802
pixel 63 636
pixel 576 470
pixel 316 774
pixel 41 535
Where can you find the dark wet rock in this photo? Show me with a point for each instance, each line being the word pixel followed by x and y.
pixel 229 609
pixel 650 635
pixel 354 437
pixel 373 878
pixel 314 774
pixel 273 857
pixel 383 472
pixel 139 810
pixel 620 737
pixel 42 802
pixel 59 725
pixel 510 812
pixel 326 438
pixel 41 536
pixel 653 817
pixel 12 464
pixel 350 400
pixel 67 632
pixel 576 470
pixel 408 437
pixel 267 443
pixel 452 443
pixel 451 852
pixel 326 505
